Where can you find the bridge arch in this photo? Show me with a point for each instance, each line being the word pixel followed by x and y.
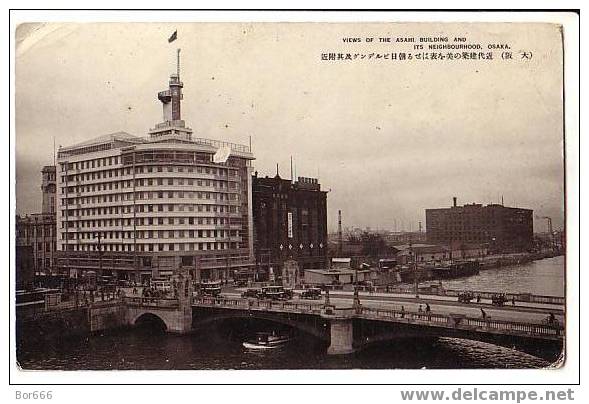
pixel 318 328
pixel 391 332
pixel 152 319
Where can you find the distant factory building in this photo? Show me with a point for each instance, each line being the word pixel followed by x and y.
pixel 290 222
pixel 422 253
pixel 501 228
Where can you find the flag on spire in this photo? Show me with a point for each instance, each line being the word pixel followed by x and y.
pixel 173 37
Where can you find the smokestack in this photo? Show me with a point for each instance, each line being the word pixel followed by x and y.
pixel 339 231
pixel 454 200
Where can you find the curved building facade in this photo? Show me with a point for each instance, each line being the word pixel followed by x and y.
pixel 138 208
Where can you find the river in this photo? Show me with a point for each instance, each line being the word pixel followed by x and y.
pixel 543 277
pixel 220 347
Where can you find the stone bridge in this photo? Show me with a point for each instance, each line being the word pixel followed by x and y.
pixel 177 318
pixel 350 329
pixel 344 329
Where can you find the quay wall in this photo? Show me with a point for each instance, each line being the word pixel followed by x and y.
pixel 52 326
pixel 55 325
pixel 107 317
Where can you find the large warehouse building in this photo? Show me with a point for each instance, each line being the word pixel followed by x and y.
pixel 502 228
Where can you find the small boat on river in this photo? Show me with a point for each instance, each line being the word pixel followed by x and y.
pixel 266 340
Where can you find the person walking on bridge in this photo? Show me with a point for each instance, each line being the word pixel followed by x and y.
pixel 483 314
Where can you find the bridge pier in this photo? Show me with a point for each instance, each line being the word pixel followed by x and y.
pixel 180 322
pixel 341 337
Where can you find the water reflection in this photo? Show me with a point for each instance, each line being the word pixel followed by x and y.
pixel 215 348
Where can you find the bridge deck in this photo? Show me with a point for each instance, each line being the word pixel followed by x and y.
pixel 455 321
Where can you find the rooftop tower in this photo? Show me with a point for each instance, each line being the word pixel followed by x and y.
pixel 171 104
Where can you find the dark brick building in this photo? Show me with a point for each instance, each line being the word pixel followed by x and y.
pixel 36 234
pixel 290 222
pixel 502 228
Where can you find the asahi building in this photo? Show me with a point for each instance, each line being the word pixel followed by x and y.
pixel 137 208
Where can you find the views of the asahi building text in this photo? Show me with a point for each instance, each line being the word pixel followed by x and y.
pixel 289 196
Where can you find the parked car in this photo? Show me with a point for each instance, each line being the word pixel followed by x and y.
pixel 210 288
pixel 465 297
pixel 252 292
pixel 275 293
pixel 498 300
pixel 311 293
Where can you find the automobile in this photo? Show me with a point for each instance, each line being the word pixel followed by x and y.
pixel 275 293
pixel 311 293
pixel 465 297
pixel 498 300
pixel 211 288
pixel 163 285
pixel 251 292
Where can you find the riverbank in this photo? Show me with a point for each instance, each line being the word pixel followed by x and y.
pixel 465 268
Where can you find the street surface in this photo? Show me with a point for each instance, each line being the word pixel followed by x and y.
pixel 522 312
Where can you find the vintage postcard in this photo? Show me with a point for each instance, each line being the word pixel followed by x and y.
pixel 290 195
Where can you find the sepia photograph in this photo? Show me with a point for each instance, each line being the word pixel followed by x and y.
pixel 289 195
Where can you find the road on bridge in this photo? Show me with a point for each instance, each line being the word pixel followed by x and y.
pixel 528 313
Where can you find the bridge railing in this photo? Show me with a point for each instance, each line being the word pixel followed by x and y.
pixel 434 319
pixel 256 304
pixel 151 302
pixel 371 313
pixel 464 322
pixel 518 297
pixel 514 327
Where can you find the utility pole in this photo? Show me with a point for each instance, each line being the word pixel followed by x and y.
pixel 551 232
pixel 67 213
pixel 137 276
pixel 415 273
pixel 340 235
pixel 99 254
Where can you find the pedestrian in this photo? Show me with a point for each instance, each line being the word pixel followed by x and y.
pixel 483 314
pixel 402 311
pixel 427 308
pixel 513 300
pixel 420 309
pixel 478 298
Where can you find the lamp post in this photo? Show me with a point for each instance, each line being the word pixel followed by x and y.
pixel 413 256
pixel 99 253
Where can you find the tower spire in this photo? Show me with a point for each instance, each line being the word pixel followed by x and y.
pixel 171 99
pixel 178 63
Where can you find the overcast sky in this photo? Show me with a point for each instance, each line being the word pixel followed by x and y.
pixel 388 139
